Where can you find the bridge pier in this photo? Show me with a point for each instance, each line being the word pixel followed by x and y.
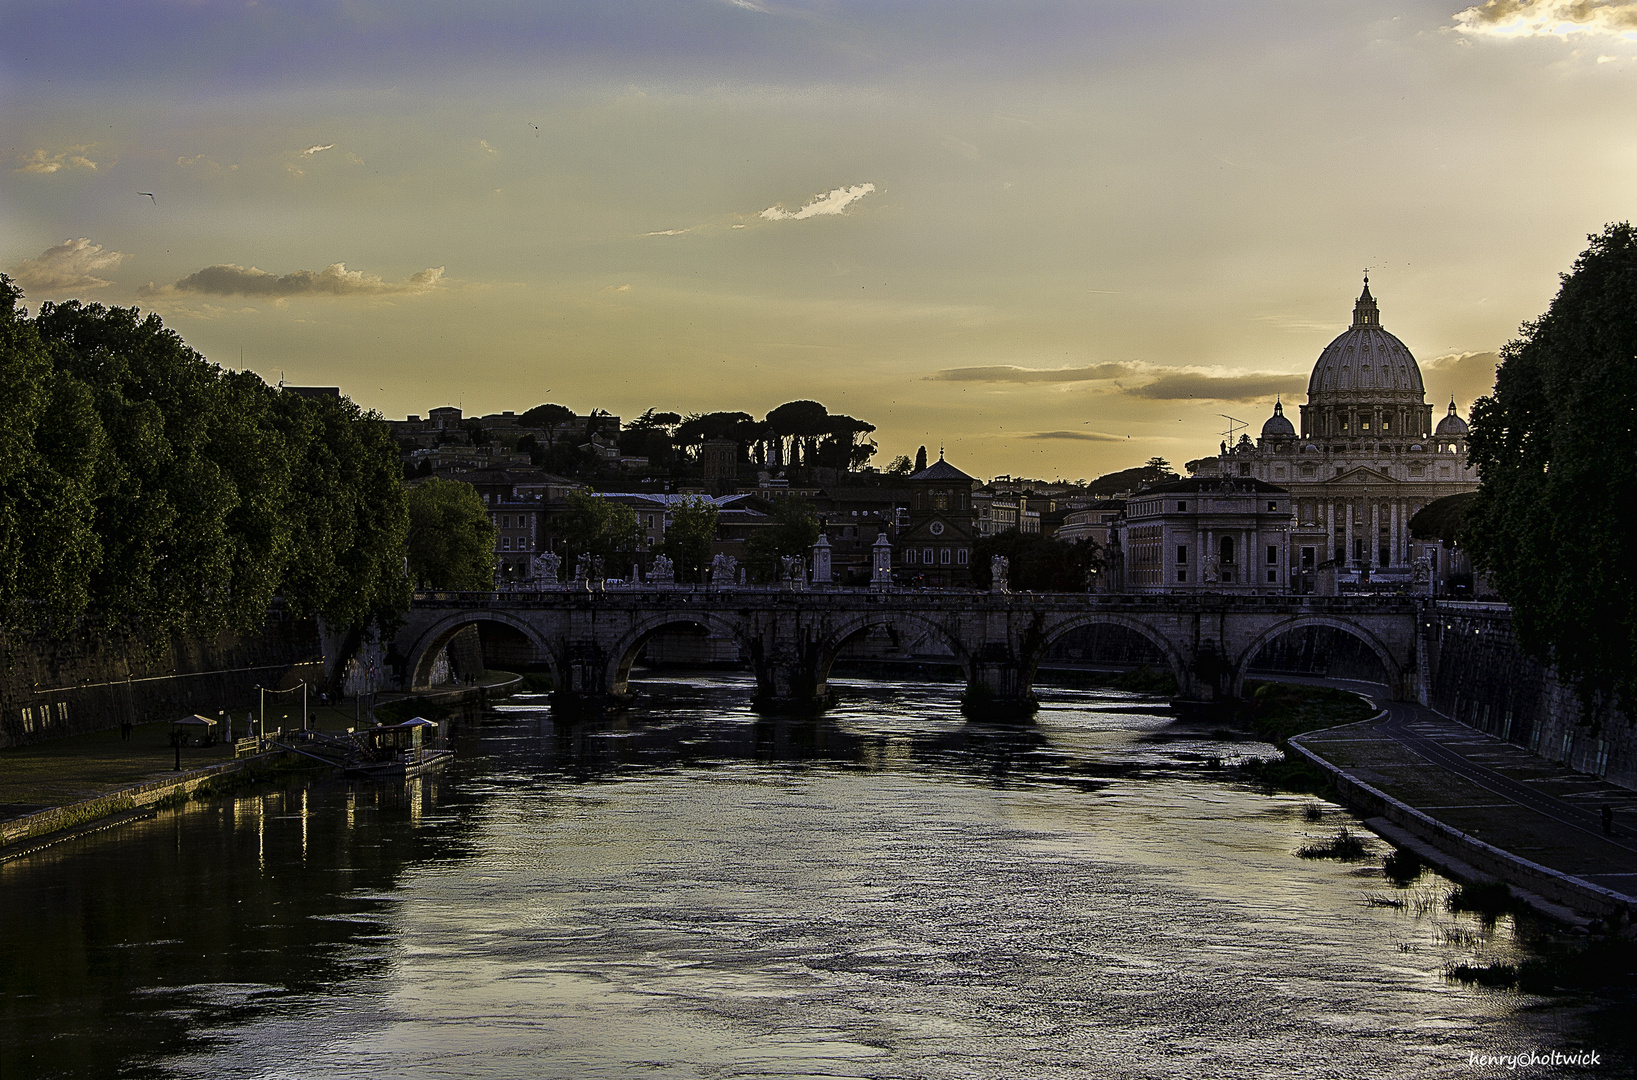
pixel 789 678
pixel 998 686
pixel 583 682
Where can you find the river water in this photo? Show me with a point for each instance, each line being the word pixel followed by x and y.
pixel 693 891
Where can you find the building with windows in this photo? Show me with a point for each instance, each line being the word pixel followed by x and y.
pixel 1206 534
pixel 1367 457
pixel 934 546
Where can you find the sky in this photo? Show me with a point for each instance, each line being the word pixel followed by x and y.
pixel 1054 238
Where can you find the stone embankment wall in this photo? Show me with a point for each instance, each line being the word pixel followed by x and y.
pixel 1478 676
pixel 49 689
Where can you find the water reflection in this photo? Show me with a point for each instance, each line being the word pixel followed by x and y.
pixel 691 889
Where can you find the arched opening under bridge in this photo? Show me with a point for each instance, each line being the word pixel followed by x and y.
pixel 1319 649
pixel 674 640
pixel 464 645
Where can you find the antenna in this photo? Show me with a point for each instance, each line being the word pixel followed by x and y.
pixel 1234 424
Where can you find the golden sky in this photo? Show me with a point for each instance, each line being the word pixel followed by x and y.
pixel 1056 238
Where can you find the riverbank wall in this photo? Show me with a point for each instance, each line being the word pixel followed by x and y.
pixel 1477 675
pixel 21 835
pixel 1464 853
pixel 92 682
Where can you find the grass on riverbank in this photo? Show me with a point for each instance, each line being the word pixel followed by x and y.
pixel 1600 964
pixel 1277 711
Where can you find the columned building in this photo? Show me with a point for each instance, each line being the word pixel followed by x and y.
pixel 1207 534
pixel 1368 455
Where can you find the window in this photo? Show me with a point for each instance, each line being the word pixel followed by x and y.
pixel 1308 558
pixel 1182 554
pixel 1273 508
pixel 505 543
pixel 960 556
pixel 28 719
pixel 1182 508
pixel 1182 575
pixel 940 500
pixel 1364 426
pixel 1273 577
pixel 1225 549
pixel 505 521
pixel 909 555
pixel 927 557
pixel 1273 555
pixel 943 556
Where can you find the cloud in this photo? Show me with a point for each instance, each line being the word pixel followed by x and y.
pixel 484 143
pixel 833 202
pixel 201 161
pixel 616 288
pixel 311 150
pixel 43 161
pixel 1549 18
pixel 71 266
pixel 1181 385
pixel 1464 376
pixel 334 280
pixel 1078 436
pixel 1007 373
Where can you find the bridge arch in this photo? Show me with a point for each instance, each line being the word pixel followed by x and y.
pixel 629 645
pixel 832 643
pixel 1057 631
pixel 1390 667
pixel 435 638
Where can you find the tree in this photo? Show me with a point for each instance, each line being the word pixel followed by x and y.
pixel 545 416
pixel 451 538
pixel 598 527
pixel 901 466
pixel 920 460
pixel 1555 518
pixel 1038 563
pixel 793 531
pixel 52 448
pixel 196 494
pixel 689 538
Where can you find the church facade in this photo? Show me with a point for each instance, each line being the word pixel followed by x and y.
pixel 1367 457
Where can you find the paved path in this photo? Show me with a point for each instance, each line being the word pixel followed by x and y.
pixel 1491 790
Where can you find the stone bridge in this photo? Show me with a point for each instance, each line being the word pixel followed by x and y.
pixel 589 640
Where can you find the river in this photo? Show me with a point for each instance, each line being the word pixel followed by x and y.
pixel 690 890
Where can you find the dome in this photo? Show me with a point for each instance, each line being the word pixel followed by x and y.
pixel 1365 358
pixel 1277 426
pixel 1451 425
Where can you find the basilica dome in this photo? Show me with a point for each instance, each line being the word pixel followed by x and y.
pixel 1452 425
pixel 1278 426
pixel 1365 358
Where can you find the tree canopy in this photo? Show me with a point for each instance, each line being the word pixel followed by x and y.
pixel 147 490
pixel 690 535
pixel 1041 564
pixel 596 526
pixel 451 537
pixel 1555 518
pixel 794 531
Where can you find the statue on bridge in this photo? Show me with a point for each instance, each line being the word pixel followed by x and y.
pixel 544 568
pixel 999 569
pixel 582 572
pixel 792 573
pixel 663 572
pixel 724 571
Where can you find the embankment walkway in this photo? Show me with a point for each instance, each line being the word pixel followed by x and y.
pixel 1494 806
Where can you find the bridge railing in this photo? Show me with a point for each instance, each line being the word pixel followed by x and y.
pixel 928 597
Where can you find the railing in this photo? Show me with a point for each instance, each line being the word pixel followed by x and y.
pixel 849 596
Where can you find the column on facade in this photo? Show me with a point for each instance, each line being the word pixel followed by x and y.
pixel 1394 545
pixel 1347 515
pixel 1329 530
pixel 1373 554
